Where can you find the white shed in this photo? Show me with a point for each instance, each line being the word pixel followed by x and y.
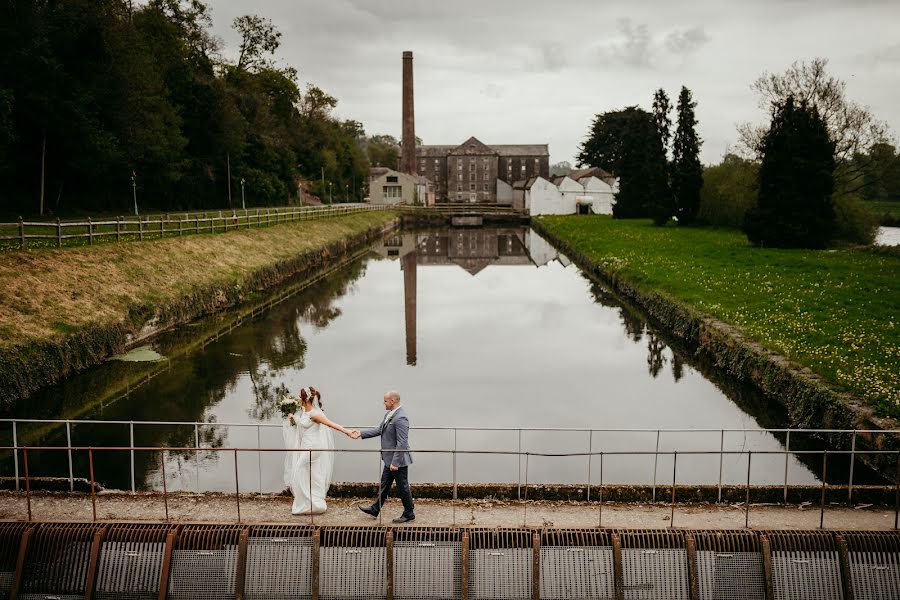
pixel 601 194
pixel 544 198
pixel 570 190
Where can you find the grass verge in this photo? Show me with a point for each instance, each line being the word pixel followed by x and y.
pixel 836 312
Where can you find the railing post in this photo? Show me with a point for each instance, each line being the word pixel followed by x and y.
pixel 674 471
pixel 162 461
pixel 600 519
pixel 259 458
pixel 93 495
pixel 519 492
pixel 852 462
pixel 237 488
pixel 536 566
pixel 131 437
pixel 197 453
pixel 16 453
pixel 787 455
pixel 766 551
pixel 27 480
pixel 721 460
pixel 897 493
pixel 590 449
pixel 167 564
pixel 69 451
pixel 844 560
pixel 455 497
pixel 316 547
pixel 389 565
pixel 747 499
pixel 58 233
pixel 21 234
pixel 655 463
pixel 90 232
pixel 240 576
pixel 693 578
pixel 464 567
pixel 618 568
pixel 822 505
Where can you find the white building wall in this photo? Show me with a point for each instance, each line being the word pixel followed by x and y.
pixel 601 193
pixel 544 198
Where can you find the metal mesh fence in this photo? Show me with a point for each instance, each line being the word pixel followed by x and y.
pixel 129 570
pixel 806 575
pixel 278 568
pixel 731 575
pixel 577 572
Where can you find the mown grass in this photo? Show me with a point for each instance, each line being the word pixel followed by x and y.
pixel 47 294
pixel 834 311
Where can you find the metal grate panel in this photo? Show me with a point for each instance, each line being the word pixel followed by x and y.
pixel 427 570
pixel 278 568
pixel 131 560
pixel 806 575
pixel 58 559
pixel 731 575
pixel 655 573
pixel 874 563
pixel 352 563
pixel 204 563
pixel 10 540
pixel 500 564
pixel 577 572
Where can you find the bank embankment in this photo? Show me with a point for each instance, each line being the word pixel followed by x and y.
pixel 62 311
pixel 815 330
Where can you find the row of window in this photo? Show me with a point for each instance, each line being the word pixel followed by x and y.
pixel 472 187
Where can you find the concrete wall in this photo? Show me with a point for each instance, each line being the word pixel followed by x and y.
pixel 392 179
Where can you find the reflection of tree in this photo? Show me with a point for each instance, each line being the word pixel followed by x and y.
pixel 677 366
pixel 634 325
pixel 655 358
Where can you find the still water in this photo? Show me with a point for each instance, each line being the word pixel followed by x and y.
pixel 477 328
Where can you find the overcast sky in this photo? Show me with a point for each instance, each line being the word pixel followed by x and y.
pixel 536 71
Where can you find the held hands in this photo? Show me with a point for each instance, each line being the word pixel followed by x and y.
pixel 353 434
pixel 394 468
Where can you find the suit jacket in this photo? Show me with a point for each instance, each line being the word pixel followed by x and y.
pixel 394 435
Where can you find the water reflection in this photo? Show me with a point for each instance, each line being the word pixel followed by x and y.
pixel 498 330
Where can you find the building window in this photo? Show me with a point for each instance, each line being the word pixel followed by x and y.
pixel 436 163
pixel 459 164
pixel 487 176
pixel 472 187
pixel 485 187
pixel 459 176
pixel 393 191
pixel 472 160
pixel 523 169
pixel 458 187
pixel 471 175
pixel 392 179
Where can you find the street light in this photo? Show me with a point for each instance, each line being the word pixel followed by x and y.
pixel 243 202
pixel 134 191
pixel 329 191
pixel 346 192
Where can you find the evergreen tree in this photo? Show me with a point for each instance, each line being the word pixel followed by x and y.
pixel 662 108
pixel 687 172
pixel 796 181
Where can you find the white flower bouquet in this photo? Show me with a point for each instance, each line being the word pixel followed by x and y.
pixel 288 407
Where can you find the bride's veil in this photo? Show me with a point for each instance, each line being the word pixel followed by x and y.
pixel 327 459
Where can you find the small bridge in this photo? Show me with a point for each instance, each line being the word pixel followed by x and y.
pixel 466 214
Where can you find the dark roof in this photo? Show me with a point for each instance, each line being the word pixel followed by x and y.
pixel 591 172
pixel 433 151
pixel 424 151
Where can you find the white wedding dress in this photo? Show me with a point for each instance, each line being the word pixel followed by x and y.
pixel 308 474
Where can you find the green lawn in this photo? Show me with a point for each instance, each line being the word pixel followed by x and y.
pixel 835 311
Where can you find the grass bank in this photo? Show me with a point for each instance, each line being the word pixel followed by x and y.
pixel 836 312
pixel 63 310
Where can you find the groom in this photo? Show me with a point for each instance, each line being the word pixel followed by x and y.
pixel 394 433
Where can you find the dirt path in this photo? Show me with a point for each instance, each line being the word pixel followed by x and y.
pixel 485 513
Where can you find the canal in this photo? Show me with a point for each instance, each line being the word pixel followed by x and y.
pixel 478 329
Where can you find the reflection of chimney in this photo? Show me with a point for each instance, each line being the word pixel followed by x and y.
pixel 408 141
pixel 408 264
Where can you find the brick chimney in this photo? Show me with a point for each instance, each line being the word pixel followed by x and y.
pixel 408 141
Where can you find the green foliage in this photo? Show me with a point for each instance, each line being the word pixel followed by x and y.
pixel 854 220
pixel 662 109
pixel 103 92
pixel 796 181
pixel 626 142
pixel 729 191
pixel 833 311
pixel 687 173
pixel 383 151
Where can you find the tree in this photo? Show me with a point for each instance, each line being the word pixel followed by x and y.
pixel 560 169
pixel 626 142
pixel 687 172
pixel 662 108
pixel 796 181
pixel 729 191
pixel 851 126
pixel 383 151
pixel 258 39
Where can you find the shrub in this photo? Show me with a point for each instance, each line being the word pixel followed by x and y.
pixel 728 192
pixel 854 220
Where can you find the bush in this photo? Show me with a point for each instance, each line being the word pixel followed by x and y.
pixel 728 192
pixel 855 221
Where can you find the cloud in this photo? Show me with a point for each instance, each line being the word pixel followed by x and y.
pixel 493 91
pixel 637 47
pixel 551 57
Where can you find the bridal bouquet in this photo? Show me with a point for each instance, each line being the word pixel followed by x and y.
pixel 288 406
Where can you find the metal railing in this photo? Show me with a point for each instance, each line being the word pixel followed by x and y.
pixel 60 232
pixel 526 455
pixel 589 433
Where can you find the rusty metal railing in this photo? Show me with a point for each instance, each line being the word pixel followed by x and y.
pixel 600 455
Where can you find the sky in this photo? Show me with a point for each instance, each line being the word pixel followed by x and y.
pixel 534 71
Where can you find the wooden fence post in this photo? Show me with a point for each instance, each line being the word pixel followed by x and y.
pixel 90 232
pixel 180 226
pixel 162 220
pixel 196 224
pixel 118 228
pixel 21 234
pixel 226 224
pixel 58 233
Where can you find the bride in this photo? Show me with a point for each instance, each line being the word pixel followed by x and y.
pixel 308 474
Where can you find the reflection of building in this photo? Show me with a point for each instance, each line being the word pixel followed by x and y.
pixel 470 249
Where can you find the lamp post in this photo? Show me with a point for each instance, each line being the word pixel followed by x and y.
pixel 134 191
pixel 243 202
pixel 330 184
pixel 346 192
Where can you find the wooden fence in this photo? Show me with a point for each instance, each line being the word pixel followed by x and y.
pixel 24 234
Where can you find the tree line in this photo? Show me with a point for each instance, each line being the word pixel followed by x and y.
pixel 800 180
pixel 101 100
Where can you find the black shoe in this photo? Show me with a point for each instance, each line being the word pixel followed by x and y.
pixel 368 510
pixel 404 519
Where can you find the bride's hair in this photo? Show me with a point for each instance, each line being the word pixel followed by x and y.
pixel 311 396
pixel 318 396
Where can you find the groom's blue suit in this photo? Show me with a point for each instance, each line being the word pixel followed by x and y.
pixel 394 433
